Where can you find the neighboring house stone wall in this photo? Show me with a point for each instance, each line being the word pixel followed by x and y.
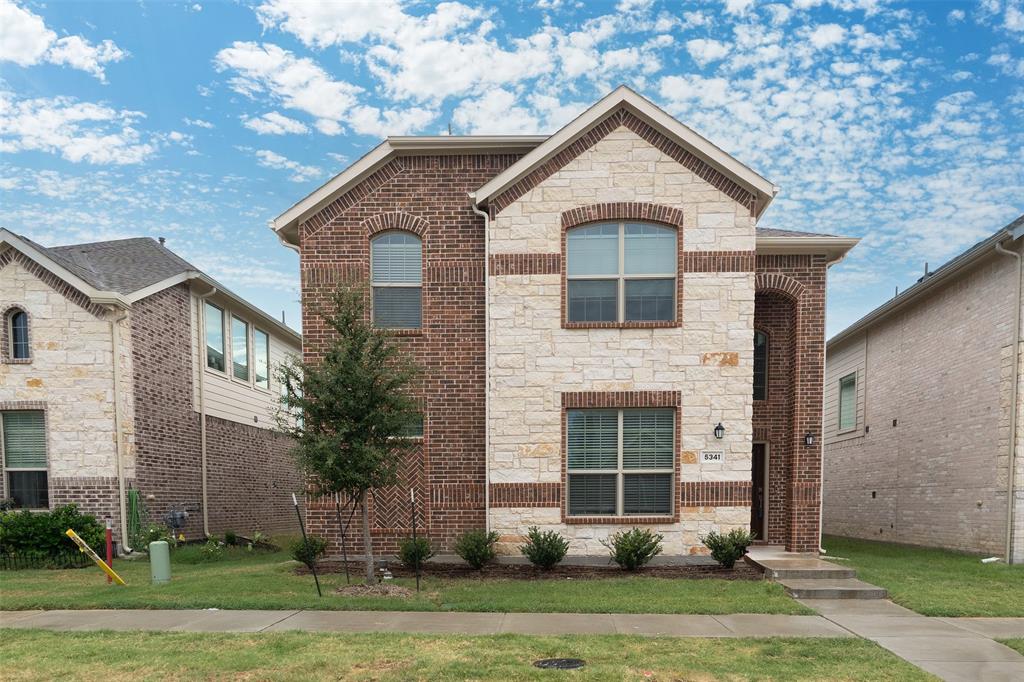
pixel 427 195
pixel 71 378
pixel 706 358
pixel 928 464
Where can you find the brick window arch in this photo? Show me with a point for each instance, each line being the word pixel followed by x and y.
pixel 16 335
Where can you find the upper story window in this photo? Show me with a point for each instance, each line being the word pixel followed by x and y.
pixel 24 457
pixel 760 365
pixel 620 462
pixel 215 346
pixel 261 357
pixel 396 275
pixel 239 348
pixel 17 335
pixel 848 402
pixel 621 272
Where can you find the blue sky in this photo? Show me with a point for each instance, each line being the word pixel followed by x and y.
pixel 901 123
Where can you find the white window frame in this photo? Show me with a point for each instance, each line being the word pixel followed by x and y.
pixel 374 284
pixel 3 459
pixel 621 278
pixel 253 372
pixel 248 349
pixel 225 341
pixel 9 324
pixel 839 405
pixel 619 471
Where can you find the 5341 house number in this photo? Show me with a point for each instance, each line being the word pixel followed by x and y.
pixel 712 456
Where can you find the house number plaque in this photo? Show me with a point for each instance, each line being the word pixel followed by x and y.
pixel 712 456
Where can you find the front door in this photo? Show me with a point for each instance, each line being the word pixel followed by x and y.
pixel 758 491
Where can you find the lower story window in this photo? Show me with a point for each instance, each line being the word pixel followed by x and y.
pixel 620 462
pixel 24 457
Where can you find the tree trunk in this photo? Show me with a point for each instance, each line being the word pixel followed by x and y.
pixel 367 540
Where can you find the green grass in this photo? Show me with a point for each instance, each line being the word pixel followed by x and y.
pixel 1017 644
pixel 45 655
pixel 934 582
pixel 267 581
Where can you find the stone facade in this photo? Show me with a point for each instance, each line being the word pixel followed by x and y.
pixel 927 461
pixel 538 364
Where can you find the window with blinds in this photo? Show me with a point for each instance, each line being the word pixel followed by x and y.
pixel 760 366
pixel 396 273
pixel 848 402
pixel 24 457
pixel 620 462
pixel 621 272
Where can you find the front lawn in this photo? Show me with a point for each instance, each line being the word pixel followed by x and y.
pixel 1017 644
pixel 45 655
pixel 267 581
pixel 934 582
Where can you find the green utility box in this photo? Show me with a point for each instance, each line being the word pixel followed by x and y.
pixel 160 562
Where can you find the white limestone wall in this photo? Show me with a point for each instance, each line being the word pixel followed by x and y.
pixel 533 359
pixel 72 372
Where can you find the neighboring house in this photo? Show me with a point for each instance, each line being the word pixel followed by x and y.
pixel 584 307
pixel 112 354
pixel 919 410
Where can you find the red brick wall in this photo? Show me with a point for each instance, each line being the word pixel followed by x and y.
pixel 431 191
pixel 251 474
pixel 796 282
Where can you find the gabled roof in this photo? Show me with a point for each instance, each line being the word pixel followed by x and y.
pixel 771 240
pixel 646 110
pixel 1011 232
pixel 122 271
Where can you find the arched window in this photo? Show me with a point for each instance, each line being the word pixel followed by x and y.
pixel 621 272
pixel 396 275
pixel 760 365
pixel 17 334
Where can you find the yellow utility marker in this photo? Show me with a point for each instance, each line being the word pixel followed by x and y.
pixel 84 547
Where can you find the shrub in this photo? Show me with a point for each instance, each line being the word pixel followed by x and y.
pixel 476 547
pixel 308 551
pixel 412 552
pixel 211 551
pixel 155 534
pixel 261 542
pixel 729 548
pixel 43 532
pixel 546 549
pixel 633 548
pixel 230 538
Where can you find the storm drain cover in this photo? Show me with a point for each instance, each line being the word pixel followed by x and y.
pixel 560 663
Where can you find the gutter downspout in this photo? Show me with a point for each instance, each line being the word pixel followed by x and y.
pixel 201 343
pixel 115 340
pixel 487 360
pixel 1014 391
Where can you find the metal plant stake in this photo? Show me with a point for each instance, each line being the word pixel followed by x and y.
pixel 305 540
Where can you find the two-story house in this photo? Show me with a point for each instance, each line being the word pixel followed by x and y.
pixel 607 339
pixel 122 366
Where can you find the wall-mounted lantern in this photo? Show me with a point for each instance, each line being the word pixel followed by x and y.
pixel 719 431
pixel 809 439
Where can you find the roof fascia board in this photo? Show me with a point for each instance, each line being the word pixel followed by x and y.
pixel 95 295
pixel 920 288
pixel 647 111
pixel 445 143
pixel 830 246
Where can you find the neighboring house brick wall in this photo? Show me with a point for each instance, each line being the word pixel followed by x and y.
pixel 942 369
pixel 448 471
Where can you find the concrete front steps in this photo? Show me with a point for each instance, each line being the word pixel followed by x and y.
pixel 806 577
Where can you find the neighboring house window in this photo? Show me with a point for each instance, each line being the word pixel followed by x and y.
pixel 415 428
pixel 397 279
pixel 261 357
pixel 240 348
pixel 24 446
pixel 17 332
pixel 621 272
pixel 620 462
pixel 214 337
pixel 848 402
pixel 760 366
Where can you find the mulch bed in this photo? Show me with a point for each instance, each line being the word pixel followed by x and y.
pixel 741 571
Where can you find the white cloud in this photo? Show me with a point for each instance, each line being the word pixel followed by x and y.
pixel 956 16
pixel 26 41
pixel 494 113
pixel 1013 20
pixel 274 123
pixel 197 122
pixel 299 172
pixel 737 6
pixel 827 35
pixel 705 51
pixel 77 131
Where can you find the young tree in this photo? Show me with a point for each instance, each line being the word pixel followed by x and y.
pixel 350 410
